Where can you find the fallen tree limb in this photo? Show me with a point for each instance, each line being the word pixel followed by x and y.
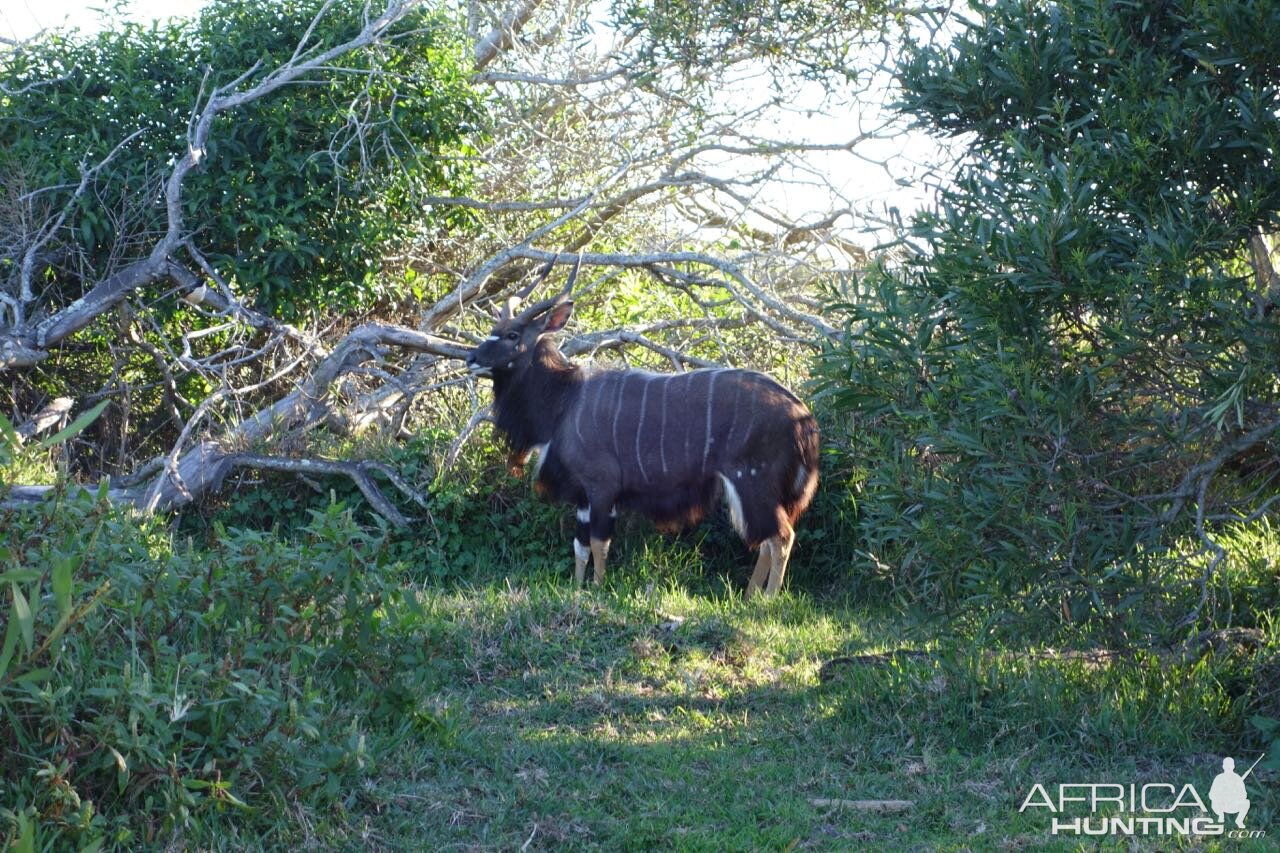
pixel 357 471
pixel 187 475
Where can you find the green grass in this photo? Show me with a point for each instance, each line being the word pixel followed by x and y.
pixel 354 691
pixel 592 720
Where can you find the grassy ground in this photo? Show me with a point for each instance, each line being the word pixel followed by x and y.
pixel 663 712
pixel 330 688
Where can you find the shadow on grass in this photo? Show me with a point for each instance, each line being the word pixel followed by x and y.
pixel 644 716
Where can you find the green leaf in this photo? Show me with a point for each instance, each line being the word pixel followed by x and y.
pixel 35 675
pixel 26 842
pixel 24 617
pixel 61 581
pixel 7 431
pixel 10 643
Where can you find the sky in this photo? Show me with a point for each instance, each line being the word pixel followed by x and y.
pixel 22 18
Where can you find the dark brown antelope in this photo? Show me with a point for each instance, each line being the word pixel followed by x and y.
pixel 665 445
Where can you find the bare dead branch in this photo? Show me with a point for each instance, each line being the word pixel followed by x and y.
pixel 53 413
pixel 358 471
pixel 503 35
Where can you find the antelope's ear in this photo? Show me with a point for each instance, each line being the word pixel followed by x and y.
pixel 557 317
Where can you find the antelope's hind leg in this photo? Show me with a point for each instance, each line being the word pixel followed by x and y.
pixel 582 544
pixel 601 534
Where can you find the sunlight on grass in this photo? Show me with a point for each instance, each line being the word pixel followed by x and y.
pixel 669 712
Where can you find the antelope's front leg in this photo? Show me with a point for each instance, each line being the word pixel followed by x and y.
pixel 761 573
pixel 601 531
pixel 582 544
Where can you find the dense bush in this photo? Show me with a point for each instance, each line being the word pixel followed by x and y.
pixel 1077 326
pixel 148 689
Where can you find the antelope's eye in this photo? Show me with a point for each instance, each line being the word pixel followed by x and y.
pixel 513 336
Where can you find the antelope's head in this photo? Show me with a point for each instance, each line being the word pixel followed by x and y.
pixel 510 347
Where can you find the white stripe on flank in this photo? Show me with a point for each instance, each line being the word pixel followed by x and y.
pixel 732 498
pixel 595 409
pixel 751 408
pixel 617 412
pixel 733 419
pixel 686 461
pixel 644 400
pixel 711 398
pixel 662 432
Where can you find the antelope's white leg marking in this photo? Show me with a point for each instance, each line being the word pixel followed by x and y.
pixel 734 500
pixel 711 398
pixel 581 553
pixel 781 552
pixel 584 514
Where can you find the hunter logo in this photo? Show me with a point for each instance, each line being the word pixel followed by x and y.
pixel 1154 808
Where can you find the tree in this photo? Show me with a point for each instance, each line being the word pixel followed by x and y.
pixel 1076 366
pixel 323 175
pixel 295 190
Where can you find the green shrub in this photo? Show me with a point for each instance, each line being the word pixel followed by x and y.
pixel 1049 388
pixel 150 691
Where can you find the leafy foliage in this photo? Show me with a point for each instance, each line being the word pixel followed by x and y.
pixel 1079 326
pixel 301 193
pixel 146 690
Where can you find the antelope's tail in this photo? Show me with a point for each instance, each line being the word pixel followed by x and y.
pixel 804 478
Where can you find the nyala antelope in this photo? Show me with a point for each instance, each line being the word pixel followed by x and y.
pixel 665 445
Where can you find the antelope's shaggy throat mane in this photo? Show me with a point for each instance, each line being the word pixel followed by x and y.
pixel 528 403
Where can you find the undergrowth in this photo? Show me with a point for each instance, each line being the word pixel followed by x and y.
pixel 317 678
